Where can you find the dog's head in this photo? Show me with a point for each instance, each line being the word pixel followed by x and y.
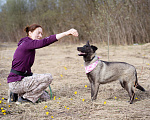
pixel 87 51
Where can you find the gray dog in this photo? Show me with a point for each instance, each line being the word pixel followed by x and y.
pixel 101 72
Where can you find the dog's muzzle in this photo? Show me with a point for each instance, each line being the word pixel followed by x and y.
pixel 81 51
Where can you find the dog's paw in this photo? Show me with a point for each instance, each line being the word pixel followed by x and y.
pixel 130 102
pixel 93 98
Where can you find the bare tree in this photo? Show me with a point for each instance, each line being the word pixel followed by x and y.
pixel 120 21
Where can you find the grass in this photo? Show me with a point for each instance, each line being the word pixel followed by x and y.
pixel 72 87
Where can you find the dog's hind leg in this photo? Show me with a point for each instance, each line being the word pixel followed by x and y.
pixel 128 87
pixel 131 94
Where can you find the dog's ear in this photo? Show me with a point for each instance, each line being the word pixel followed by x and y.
pixel 94 48
pixel 87 43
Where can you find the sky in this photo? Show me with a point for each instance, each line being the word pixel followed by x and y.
pixel 2 2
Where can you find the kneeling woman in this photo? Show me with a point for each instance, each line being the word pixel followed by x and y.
pixel 21 81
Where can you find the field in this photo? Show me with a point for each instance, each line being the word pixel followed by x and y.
pixel 71 88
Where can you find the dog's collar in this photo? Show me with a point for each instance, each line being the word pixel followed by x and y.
pixel 91 67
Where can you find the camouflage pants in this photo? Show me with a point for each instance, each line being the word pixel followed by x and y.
pixel 32 87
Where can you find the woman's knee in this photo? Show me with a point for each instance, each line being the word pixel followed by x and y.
pixel 47 78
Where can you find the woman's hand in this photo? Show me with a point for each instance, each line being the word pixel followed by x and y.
pixel 72 32
pixel 69 32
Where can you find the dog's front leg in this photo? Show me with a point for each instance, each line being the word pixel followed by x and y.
pixel 92 89
pixel 96 88
pixel 92 85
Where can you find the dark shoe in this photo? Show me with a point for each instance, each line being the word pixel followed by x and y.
pixel 23 100
pixel 13 97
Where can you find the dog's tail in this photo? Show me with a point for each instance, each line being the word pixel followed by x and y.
pixel 140 87
pixel 136 85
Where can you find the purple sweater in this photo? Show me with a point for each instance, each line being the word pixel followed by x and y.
pixel 24 55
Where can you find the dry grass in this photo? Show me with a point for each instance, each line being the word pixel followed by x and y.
pixel 69 76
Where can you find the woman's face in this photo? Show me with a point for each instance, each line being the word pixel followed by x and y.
pixel 36 34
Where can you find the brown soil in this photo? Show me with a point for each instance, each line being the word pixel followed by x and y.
pixel 69 77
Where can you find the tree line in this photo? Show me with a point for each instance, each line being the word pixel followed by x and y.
pixel 122 22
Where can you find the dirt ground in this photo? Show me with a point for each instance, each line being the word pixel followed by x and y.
pixel 71 88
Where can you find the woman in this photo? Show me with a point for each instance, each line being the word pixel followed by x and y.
pixel 21 81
